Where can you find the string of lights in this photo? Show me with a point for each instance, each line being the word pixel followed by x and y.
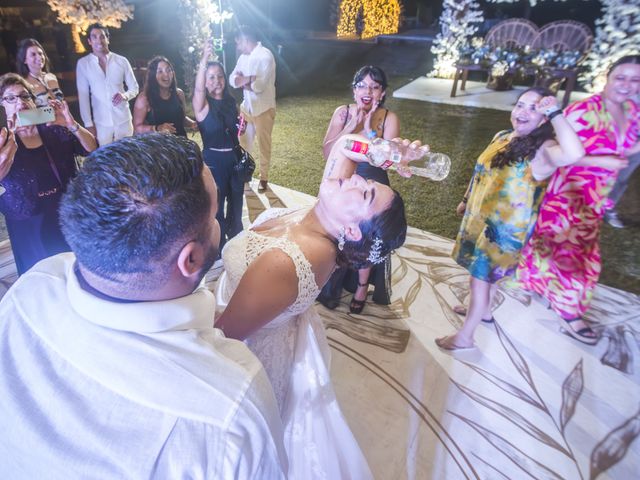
pixel 379 17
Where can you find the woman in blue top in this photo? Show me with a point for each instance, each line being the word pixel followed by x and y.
pixel 217 116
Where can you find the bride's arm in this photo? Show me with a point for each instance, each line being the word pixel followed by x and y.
pixel 266 289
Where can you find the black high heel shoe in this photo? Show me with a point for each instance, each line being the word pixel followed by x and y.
pixel 356 306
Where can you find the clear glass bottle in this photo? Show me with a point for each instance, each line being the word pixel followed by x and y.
pixel 406 161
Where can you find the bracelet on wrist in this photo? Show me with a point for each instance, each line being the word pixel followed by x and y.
pixel 554 114
pixel 75 128
pixel 551 110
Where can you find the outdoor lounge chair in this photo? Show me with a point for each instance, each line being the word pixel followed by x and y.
pixel 511 33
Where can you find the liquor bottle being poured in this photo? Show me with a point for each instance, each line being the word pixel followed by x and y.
pixel 405 160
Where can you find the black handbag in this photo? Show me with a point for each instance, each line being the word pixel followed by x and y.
pixel 245 164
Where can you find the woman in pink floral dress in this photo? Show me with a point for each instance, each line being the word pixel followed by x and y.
pixel 562 260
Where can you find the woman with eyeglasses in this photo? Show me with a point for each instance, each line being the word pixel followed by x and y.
pixel 368 117
pixel 36 164
pixel 33 65
pixel 161 105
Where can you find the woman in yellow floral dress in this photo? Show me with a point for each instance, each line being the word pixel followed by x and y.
pixel 503 198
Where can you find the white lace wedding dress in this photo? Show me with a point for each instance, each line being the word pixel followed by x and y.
pixel 294 351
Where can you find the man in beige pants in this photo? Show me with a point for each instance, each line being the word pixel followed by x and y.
pixel 255 73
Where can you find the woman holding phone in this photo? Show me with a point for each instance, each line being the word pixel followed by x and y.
pixel 36 164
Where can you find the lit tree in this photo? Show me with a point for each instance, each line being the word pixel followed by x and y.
pixel 459 22
pixel 198 17
pixel 82 13
pixel 380 17
pixel 617 35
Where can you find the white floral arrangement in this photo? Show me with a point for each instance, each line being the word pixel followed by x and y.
pixel 82 13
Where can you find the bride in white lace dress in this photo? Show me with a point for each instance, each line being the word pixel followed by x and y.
pixel 274 272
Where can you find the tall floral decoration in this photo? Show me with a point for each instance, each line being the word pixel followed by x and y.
pixel 617 35
pixel 199 18
pixel 82 13
pixel 459 22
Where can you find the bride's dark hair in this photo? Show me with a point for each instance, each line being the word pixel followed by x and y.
pixel 524 148
pixel 381 234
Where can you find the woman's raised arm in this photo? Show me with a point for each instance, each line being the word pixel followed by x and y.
pixel 199 100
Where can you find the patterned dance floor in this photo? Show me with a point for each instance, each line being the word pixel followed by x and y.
pixel 529 402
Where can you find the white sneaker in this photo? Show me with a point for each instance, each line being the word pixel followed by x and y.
pixel 611 217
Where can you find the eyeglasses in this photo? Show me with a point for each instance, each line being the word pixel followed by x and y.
pixel 376 87
pixel 11 99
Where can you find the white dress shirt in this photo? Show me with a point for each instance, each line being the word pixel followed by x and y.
pixel 262 96
pixel 91 388
pixel 96 89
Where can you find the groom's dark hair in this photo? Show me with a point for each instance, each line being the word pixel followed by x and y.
pixel 133 201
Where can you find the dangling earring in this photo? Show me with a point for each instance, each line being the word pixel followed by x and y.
pixel 341 234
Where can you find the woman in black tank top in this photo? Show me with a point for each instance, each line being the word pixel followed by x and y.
pixel 161 105
pixel 365 116
pixel 217 116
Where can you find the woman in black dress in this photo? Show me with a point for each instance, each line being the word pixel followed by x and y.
pixel 161 105
pixel 217 116
pixel 368 117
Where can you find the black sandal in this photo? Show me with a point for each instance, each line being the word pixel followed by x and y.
pixel 356 306
pixel 580 335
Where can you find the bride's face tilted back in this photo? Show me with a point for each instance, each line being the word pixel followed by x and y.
pixel 354 199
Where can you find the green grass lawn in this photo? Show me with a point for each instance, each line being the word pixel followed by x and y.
pixel 461 132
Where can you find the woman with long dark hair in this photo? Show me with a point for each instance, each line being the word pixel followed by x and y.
pixel 33 65
pixel 502 200
pixel 161 105
pixel 366 116
pixel 217 115
pixel 562 260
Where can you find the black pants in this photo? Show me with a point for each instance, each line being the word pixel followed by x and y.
pixel 230 192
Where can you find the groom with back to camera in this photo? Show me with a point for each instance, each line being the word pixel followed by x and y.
pixel 111 367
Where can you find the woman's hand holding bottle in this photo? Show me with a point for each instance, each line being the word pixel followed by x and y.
pixel 404 156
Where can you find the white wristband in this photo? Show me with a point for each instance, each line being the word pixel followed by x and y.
pixel 551 110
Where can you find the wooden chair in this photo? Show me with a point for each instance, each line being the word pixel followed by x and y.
pixel 140 70
pixel 514 32
pixel 564 35
pixel 561 36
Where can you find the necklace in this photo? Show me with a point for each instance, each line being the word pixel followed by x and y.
pixel 39 79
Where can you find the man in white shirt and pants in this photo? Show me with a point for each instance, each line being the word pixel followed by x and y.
pixel 101 77
pixel 111 366
pixel 255 73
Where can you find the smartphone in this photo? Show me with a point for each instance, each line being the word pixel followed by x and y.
pixel 35 116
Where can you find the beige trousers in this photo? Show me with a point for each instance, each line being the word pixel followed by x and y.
pixel 259 129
